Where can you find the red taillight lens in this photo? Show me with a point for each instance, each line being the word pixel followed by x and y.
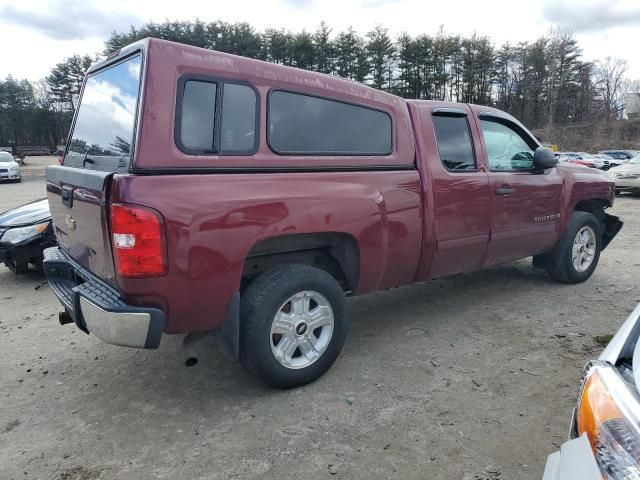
pixel 138 241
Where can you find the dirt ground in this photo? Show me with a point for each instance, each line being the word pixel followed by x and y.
pixel 470 377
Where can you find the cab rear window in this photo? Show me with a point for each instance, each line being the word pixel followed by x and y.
pixel 103 132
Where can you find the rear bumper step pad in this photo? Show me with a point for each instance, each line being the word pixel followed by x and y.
pixel 97 308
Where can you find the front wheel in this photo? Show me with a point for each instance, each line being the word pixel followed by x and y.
pixel 293 325
pixel 576 256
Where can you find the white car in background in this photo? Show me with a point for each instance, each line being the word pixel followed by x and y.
pixel 9 168
pixel 627 176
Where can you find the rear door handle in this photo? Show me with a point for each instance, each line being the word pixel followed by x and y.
pixel 504 191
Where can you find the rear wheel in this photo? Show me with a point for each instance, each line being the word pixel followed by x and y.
pixel 293 325
pixel 576 256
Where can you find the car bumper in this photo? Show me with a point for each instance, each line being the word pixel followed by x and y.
pixel 97 308
pixel 9 175
pixel 574 461
pixel 627 184
pixel 30 251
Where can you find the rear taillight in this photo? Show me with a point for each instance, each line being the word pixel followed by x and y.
pixel 138 241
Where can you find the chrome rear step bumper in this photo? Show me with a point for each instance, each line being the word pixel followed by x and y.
pixel 97 308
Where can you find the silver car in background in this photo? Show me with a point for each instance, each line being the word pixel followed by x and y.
pixel 620 156
pixel 9 168
pixel 627 176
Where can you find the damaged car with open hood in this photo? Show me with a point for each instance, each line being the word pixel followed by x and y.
pixel 24 233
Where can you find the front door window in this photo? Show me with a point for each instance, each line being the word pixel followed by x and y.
pixel 507 150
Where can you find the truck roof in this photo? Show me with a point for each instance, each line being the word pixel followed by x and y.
pixel 187 57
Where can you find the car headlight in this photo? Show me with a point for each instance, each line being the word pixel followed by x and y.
pixel 608 413
pixel 14 167
pixel 20 234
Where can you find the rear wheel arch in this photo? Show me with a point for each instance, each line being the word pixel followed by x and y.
pixel 336 253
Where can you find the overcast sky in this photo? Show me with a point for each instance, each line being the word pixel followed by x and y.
pixel 37 34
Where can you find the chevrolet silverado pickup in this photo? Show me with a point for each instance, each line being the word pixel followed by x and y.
pixel 202 191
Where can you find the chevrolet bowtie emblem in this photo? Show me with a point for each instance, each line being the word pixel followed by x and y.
pixel 70 222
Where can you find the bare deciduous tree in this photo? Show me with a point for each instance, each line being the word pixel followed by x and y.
pixel 610 84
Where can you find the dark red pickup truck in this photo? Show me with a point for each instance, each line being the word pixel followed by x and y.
pixel 203 191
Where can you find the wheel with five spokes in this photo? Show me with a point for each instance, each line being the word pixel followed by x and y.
pixel 576 256
pixel 293 325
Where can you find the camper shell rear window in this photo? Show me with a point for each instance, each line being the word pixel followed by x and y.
pixel 103 131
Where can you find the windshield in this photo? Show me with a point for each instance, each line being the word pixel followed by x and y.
pixel 104 128
pixel 6 158
pixel 635 160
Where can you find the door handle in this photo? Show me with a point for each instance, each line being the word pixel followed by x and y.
pixel 67 196
pixel 504 191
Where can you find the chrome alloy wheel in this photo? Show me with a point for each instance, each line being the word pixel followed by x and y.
pixel 301 329
pixel 584 249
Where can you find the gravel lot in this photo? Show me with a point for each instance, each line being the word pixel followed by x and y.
pixel 470 377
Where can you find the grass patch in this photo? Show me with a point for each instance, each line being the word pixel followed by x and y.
pixel 602 340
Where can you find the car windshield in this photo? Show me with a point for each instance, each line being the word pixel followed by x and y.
pixel 6 158
pixel 635 160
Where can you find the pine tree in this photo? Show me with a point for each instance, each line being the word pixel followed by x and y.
pixel 380 50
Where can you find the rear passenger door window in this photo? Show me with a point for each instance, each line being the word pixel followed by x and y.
pixel 454 143
pixel 306 125
pixel 216 118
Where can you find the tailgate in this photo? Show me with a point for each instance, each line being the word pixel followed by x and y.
pixel 100 144
pixel 78 204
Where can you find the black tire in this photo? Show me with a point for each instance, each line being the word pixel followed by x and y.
pixel 258 306
pixel 559 262
pixel 18 268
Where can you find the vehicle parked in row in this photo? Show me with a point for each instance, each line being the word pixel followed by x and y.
pixel 627 176
pixel 9 168
pixel 582 158
pixel 204 191
pixel 604 437
pixel 24 234
pixel 621 156
pixel 608 161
